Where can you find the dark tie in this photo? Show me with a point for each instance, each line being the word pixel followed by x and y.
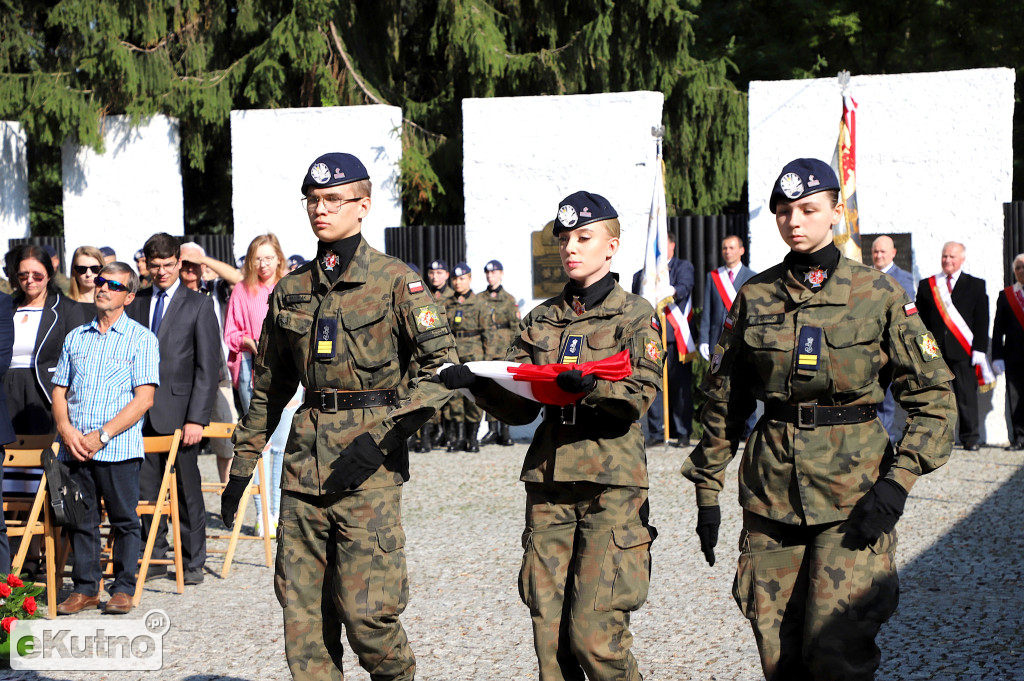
pixel 949 284
pixel 732 277
pixel 158 312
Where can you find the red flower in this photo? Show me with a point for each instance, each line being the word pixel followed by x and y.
pixel 8 623
pixel 13 580
pixel 30 605
pixel 5 590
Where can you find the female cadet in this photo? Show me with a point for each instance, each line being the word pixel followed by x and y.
pixel 818 338
pixel 587 540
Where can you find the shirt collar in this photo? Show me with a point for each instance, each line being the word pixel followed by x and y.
pixel 119 325
pixel 170 290
pixel 885 270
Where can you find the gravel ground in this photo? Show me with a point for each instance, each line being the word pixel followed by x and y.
pixel 960 566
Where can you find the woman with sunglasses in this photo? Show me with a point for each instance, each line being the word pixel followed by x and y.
pixel 86 264
pixel 42 318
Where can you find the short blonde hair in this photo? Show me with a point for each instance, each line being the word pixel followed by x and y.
pixel 613 227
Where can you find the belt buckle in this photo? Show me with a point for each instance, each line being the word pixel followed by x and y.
pixel 329 401
pixel 806 408
pixel 570 419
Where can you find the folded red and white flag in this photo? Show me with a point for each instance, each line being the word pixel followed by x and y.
pixel 537 381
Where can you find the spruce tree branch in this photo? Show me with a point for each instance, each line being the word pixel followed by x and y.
pixel 159 46
pixel 351 69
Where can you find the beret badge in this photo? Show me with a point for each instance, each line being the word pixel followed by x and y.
pixel 567 216
pixel 320 172
pixel 791 185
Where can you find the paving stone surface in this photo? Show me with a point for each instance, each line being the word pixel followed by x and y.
pixel 961 614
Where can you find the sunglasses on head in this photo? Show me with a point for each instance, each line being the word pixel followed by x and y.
pixel 115 286
pixel 35 276
pixel 82 269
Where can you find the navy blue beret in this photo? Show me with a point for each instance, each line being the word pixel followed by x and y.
pixel 139 254
pixel 493 265
pixel 50 250
pixel 333 169
pixel 296 261
pixel 580 209
pixel 107 250
pixel 438 264
pixel 413 266
pixel 800 178
pixel 460 269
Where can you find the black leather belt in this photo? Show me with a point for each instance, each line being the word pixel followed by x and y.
pixel 811 415
pixel 467 334
pixel 573 415
pixel 330 401
pixel 502 326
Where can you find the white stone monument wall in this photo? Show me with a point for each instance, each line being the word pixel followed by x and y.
pixel 934 158
pixel 14 223
pixel 271 151
pixel 127 193
pixel 522 155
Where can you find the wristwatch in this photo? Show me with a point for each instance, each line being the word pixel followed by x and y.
pixel 104 437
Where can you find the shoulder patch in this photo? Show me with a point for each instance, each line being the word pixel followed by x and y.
pixel 652 351
pixel 426 317
pixel 928 347
pixel 415 286
pixel 910 309
pixel 655 324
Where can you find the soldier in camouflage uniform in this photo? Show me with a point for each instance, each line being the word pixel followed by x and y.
pixel 503 322
pixel 469 316
pixel 346 325
pixel 818 338
pixel 432 433
pixel 587 560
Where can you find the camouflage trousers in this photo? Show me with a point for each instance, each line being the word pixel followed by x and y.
pixel 586 566
pixel 341 561
pixel 461 408
pixel 815 605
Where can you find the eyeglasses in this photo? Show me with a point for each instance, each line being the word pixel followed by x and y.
pixel 35 276
pixel 82 269
pixel 162 267
pixel 115 286
pixel 332 205
pixel 268 259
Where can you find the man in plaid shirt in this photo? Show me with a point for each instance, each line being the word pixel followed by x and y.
pixel 103 386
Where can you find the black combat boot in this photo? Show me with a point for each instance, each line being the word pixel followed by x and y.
pixel 424 444
pixel 505 439
pixel 414 443
pixel 492 433
pixel 440 436
pixel 456 436
pixel 471 444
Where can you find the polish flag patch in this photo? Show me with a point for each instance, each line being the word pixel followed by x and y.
pixel 910 309
pixel 416 287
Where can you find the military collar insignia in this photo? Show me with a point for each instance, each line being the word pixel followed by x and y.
pixel 815 277
pixel 577 306
pixel 330 260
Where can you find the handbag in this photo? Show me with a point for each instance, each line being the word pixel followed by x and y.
pixel 66 498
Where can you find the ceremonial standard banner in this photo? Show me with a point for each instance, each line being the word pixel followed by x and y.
pixel 844 162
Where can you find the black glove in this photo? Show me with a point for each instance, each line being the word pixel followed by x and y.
pixel 358 461
pixel 230 497
pixel 573 381
pixel 709 518
pixel 876 513
pixel 458 376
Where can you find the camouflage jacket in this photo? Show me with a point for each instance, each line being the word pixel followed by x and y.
pixel 871 334
pixel 608 449
pixel 469 317
pixel 504 321
pixel 385 318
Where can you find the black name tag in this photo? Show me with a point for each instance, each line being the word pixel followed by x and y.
pixel 808 350
pixel 297 298
pixel 759 319
pixel 326 335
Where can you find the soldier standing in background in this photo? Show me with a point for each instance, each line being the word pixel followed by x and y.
pixel 346 326
pixel 433 432
pixel 469 316
pixel 504 324
pixel 587 559
pixel 821 486
pixel 437 277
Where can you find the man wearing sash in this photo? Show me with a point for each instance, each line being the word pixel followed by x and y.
pixel 1007 334
pixel 720 290
pixel 954 307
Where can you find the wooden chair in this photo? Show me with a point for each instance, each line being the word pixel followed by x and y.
pixel 261 488
pixel 166 503
pixel 26 453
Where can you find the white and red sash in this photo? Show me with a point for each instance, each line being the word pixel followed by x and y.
pixel 957 326
pixel 679 320
pixel 725 288
pixel 1015 298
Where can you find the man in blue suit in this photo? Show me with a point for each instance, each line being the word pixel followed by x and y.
pixel 883 251
pixel 720 290
pixel 680 399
